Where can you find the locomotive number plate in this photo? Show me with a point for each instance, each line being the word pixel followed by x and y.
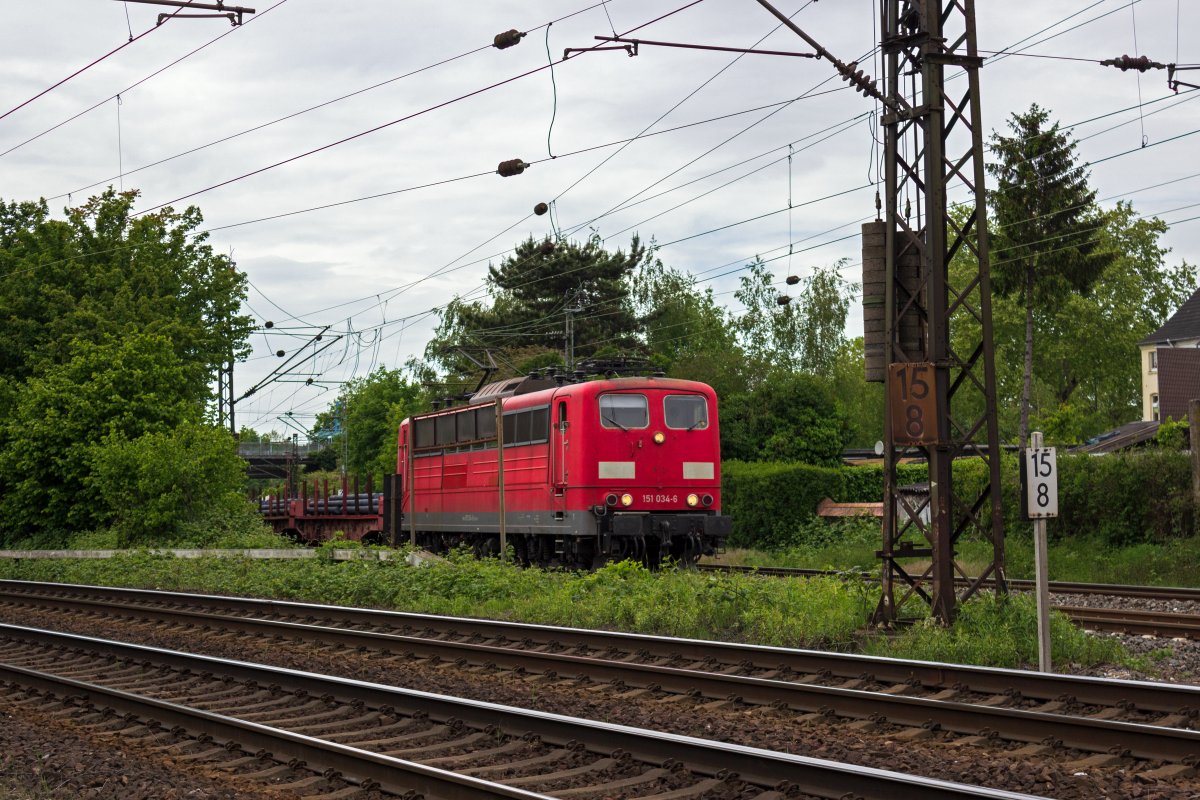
pixel 660 498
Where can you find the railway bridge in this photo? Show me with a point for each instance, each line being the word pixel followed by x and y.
pixel 272 460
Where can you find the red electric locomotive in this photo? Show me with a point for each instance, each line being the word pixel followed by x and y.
pixel 592 471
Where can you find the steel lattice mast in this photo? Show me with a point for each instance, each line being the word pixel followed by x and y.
pixel 934 144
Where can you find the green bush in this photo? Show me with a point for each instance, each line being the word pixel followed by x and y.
pixel 865 484
pixel 159 488
pixel 1121 499
pixel 1124 499
pixel 769 501
pixel 1117 499
pixel 1172 434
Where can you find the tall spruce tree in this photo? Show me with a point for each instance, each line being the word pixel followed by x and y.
pixel 1045 229
pixel 533 289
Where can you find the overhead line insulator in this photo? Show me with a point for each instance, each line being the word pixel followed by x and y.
pixel 1127 62
pixel 514 166
pixel 505 40
pixel 861 81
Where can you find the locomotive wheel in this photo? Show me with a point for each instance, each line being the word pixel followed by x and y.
pixel 488 547
pixel 520 546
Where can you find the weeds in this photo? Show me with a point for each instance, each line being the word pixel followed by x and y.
pixel 1000 632
pixel 827 612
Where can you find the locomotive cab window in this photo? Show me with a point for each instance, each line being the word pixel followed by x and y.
pixel 685 411
pixel 624 411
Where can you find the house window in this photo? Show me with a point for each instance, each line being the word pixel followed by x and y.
pixel 1154 407
pixel 1154 361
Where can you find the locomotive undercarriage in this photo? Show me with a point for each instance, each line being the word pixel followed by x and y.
pixel 651 539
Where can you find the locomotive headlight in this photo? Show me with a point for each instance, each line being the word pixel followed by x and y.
pixel 659 437
pixel 707 499
pixel 610 500
pixel 693 500
pixel 627 500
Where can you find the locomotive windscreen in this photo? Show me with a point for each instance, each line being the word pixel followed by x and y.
pixel 687 411
pixel 624 411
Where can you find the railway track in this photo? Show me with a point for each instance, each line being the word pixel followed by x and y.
pixel 405 742
pixel 1133 621
pixel 1093 715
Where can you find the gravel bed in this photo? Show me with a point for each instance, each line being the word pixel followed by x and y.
pixel 48 758
pixel 1119 601
pixel 1170 660
pixel 1055 773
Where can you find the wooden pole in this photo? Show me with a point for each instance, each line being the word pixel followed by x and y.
pixel 1193 426
pixel 500 475
pixel 412 485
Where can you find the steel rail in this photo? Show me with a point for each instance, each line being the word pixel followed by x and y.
pixel 357 766
pixel 1163 697
pixel 1152 741
pixel 764 768
pixel 1136 621
pixel 1056 587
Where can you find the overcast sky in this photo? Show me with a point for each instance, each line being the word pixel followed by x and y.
pixel 356 266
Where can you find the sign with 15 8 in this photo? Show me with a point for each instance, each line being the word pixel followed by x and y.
pixel 1039 483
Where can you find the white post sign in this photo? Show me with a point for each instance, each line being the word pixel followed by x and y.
pixel 1041 482
pixel 1039 490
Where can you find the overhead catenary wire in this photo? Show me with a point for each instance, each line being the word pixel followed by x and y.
pixel 90 64
pixel 204 232
pixel 369 131
pixel 134 85
pixel 491 171
pixel 294 114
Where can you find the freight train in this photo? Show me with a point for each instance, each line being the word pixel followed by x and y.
pixel 570 473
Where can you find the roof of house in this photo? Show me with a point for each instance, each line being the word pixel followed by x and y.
pixel 1128 435
pixel 1178 380
pixel 1183 324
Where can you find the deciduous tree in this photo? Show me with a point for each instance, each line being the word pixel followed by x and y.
pixel 114 328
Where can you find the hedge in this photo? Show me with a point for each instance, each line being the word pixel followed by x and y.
pixel 770 501
pixel 1143 496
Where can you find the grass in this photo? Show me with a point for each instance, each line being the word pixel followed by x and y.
pixel 1090 560
pixel 1000 633
pixel 850 545
pixel 825 612
pixel 236 527
pixel 842 545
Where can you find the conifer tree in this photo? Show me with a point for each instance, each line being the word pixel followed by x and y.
pixel 1045 226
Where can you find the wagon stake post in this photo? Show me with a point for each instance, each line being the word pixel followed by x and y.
pixel 500 476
